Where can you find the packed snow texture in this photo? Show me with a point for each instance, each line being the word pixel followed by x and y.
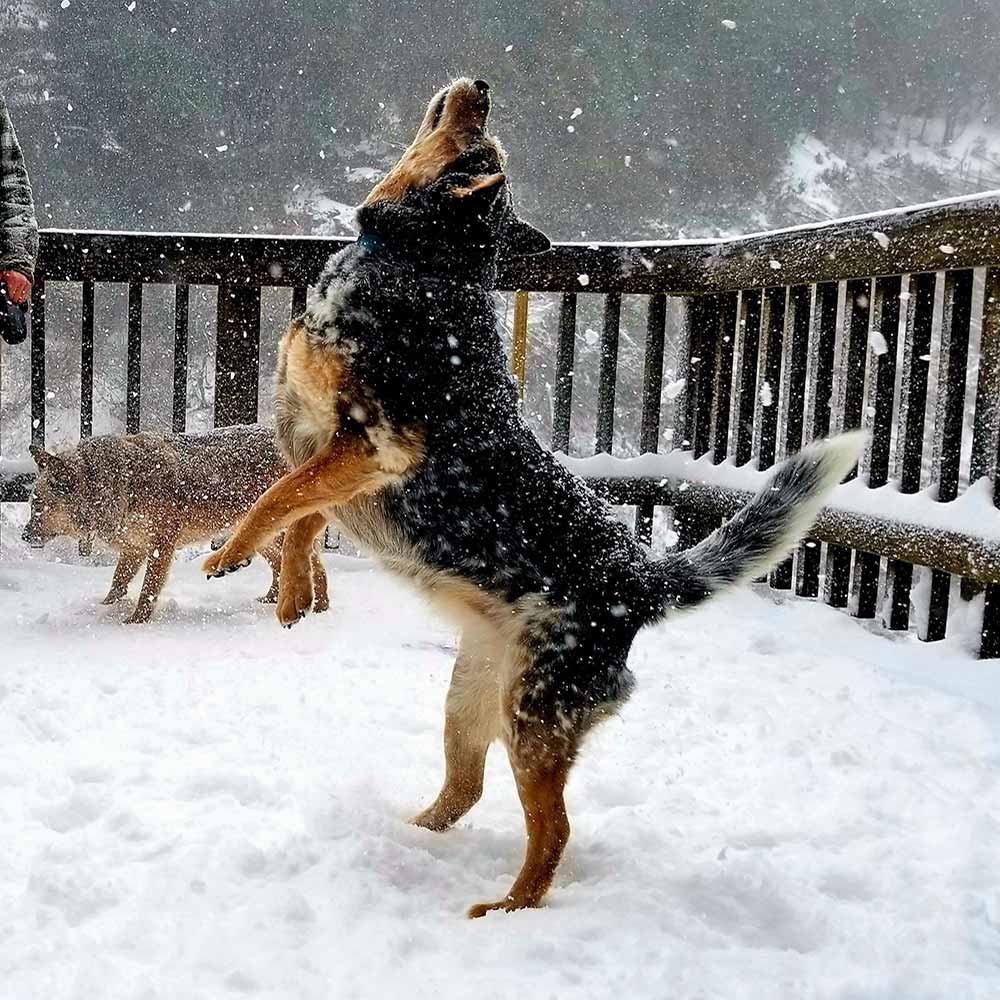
pixel 210 806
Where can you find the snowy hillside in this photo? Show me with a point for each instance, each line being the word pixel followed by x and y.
pixel 211 806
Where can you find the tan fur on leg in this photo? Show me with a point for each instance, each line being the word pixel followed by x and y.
pixel 472 722
pixel 295 590
pixel 541 777
pixel 272 553
pixel 350 466
pixel 158 562
pixel 321 591
pixel 128 565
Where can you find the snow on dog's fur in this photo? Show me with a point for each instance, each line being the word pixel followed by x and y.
pixel 395 404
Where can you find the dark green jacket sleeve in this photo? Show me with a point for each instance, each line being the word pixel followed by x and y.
pixel 18 228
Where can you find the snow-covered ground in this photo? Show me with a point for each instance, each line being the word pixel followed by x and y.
pixel 209 806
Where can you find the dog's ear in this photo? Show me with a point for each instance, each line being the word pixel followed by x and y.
pixel 482 186
pixel 39 454
pixel 523 240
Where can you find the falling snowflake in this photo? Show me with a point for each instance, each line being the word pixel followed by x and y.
pixel 674 389
pixel 877 343
pixel 881 239
pixel 509 48
pixel 775 264
pixel 222 148
pixel 576 113
pixel 728 25
pixel 946 248
pixel 584 279
pixel 766 396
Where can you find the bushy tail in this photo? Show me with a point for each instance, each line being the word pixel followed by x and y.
pixel 763 532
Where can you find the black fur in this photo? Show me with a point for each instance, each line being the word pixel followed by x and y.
pixel 411 306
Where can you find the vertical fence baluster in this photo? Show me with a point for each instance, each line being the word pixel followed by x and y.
pixel 519 341
pixel 820 364
pixel 701 318
pixel 237 355
pixel 986 439
pixel 910 434
pixel 793 389
pixel 652 391
pixel 881 382
pixel 608 373
pixel 848 402
pixel 565 357
pixel 133 370
pixel 87 362
pixel 181 310
pixel 300 294
pixel 38 362
pixel 745 365
pixel 953 360
pixel 765 425
pixel 722 389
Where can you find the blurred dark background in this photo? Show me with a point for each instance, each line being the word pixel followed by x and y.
pixel 622 119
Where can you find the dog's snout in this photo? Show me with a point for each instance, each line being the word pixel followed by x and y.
pixel 482 86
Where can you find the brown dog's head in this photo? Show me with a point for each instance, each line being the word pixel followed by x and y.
pixel 55 500
pixel 448 192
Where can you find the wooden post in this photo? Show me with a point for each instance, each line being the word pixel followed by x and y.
pixel 562 401
pixel 879 397
pixel 181 308
pixel 608 374
pixel 87 362
pixel 237 355
pixel 745 365
pixel 910 427
pixel 133 371
pixel 519 341
pixel 953 359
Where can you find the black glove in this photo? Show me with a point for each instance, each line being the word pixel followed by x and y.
pixel 13 319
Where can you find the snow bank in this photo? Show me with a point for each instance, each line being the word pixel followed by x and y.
pixel 211 806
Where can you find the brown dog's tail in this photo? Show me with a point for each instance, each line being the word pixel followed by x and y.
pixel 762 533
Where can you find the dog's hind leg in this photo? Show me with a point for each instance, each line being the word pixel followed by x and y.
pixel 471 723
pixel 321 588
pixel 272 553
pixel 295 587
pixel 128 565
pixel 158 562
pixel 541 761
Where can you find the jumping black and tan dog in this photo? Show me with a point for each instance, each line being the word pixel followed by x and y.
pixel 395 405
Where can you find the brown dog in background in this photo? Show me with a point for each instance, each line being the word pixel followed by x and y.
pixel 146 495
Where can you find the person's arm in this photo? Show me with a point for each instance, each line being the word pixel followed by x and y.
pixel 18 228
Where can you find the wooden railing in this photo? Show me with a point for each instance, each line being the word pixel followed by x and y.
pixel 788 336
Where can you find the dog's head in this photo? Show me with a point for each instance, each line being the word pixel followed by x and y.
pixel 449 189
pixel 55 500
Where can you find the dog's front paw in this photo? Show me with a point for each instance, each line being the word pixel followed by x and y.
pixel 225 561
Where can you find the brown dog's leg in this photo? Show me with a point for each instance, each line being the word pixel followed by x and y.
pixel 321 589
pixel 158 561
pixel 295 588
pixel 471 723
pixel 350 466
pixel 272 553
pixel 128 565
pixel 541 763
